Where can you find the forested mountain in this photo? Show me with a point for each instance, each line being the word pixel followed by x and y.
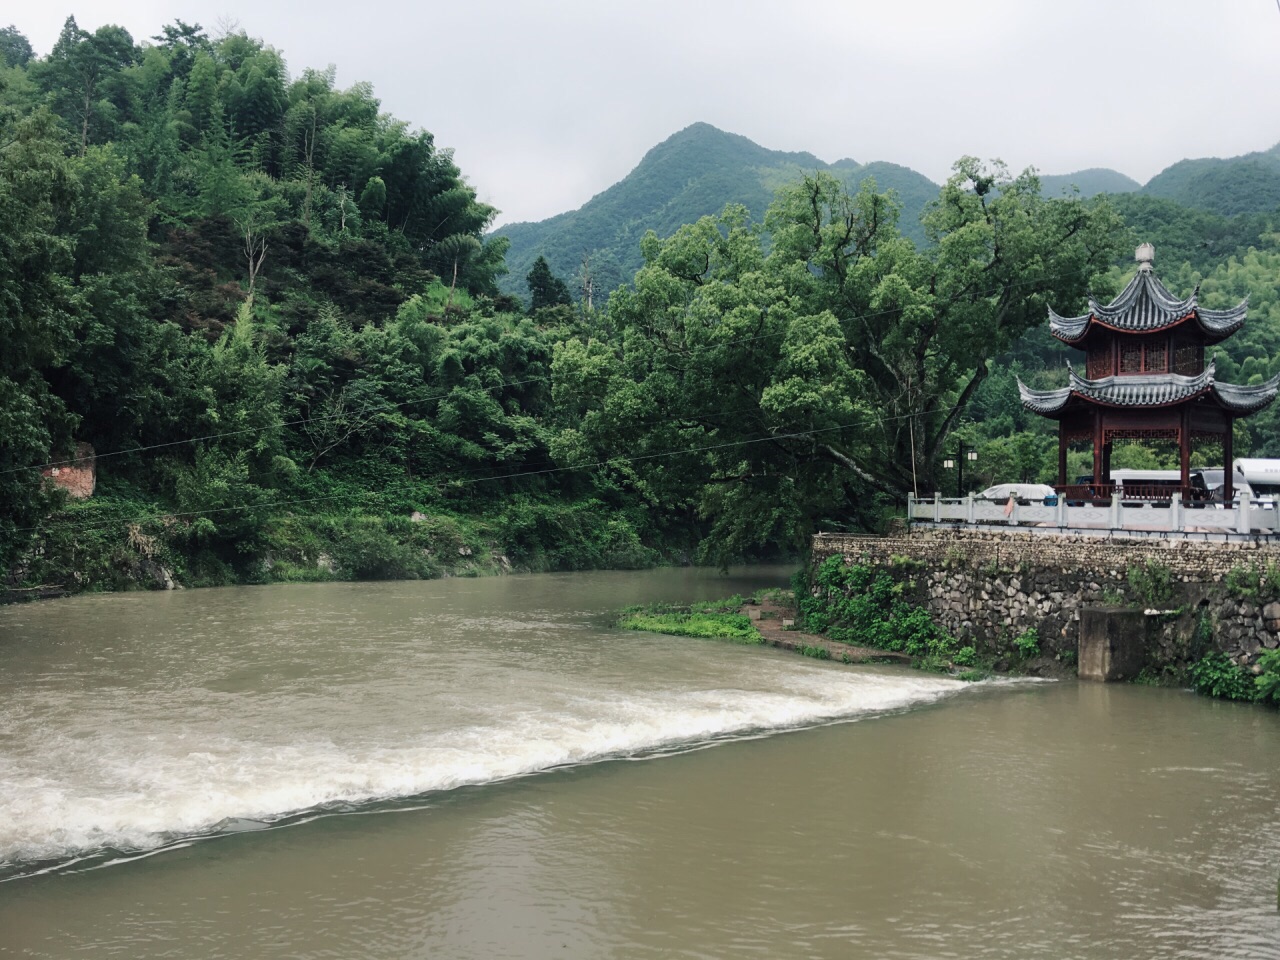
pixel 1239 185
pixel 701 169
pixel 692 174
pixel 1089 182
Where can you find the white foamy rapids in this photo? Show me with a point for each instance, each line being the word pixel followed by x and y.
pixel 78 794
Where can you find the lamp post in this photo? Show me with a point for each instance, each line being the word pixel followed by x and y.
pixel 963 454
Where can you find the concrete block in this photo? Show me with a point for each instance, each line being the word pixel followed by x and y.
pixel 1112 643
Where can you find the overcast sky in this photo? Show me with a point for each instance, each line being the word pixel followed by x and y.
pixel 547 103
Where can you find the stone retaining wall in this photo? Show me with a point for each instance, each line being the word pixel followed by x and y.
pixel 990 587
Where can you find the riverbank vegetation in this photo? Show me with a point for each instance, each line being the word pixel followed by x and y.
pixel 857 604
pixel 273 312
pixel 714 620
pixel 1216 675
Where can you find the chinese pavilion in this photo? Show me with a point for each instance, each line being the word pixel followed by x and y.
pixel 1146 379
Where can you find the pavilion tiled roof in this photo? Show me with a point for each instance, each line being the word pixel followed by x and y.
pixel 1145 306
pixel 1149 390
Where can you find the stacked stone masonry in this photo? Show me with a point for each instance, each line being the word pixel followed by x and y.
pixel 989 587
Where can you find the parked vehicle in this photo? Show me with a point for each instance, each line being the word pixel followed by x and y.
pixel 1257 479
pixel 1022 492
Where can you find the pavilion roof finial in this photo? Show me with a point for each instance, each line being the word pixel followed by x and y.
pixel 1145 255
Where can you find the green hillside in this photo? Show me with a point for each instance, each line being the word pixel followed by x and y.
pixel 692 174
pixel 1089 182
pixel 1245 184
pixel 1218 205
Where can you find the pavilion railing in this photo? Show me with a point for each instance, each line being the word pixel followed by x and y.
pixel 1174 514
pixel 1102 492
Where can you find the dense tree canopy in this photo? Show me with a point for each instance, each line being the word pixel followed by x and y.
pixel 272 310
pixel 803 374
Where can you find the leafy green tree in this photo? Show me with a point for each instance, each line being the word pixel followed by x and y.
pixel 373 199
pixel 805 376
pixel 180 42
pixel 82 76
pixel 15 49
pixel 545 288
pixel 38 308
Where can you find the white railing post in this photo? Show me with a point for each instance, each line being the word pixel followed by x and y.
pixel 937 507
pixel 1062 510
pixel 968 509
pixel 1115 511
pixel 911 507
pixel 1176 513
pixel 1242 515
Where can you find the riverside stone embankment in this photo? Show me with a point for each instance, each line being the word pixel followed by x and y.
pixel 988 587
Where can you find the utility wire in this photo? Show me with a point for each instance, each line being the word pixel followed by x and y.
pixel 362 495
pixel 439 396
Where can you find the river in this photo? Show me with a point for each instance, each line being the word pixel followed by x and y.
pixel 485 768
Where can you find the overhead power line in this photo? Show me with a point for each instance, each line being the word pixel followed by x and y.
pixel 365 495
pixel 69 461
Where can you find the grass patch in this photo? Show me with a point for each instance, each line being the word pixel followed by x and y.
pixel 713 620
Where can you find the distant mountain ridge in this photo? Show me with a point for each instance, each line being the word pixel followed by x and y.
pixel 691 174
pixel 698 170
pixel 1089 182
pixel 1244 184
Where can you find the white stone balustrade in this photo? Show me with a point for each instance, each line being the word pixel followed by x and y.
pixel 1243 517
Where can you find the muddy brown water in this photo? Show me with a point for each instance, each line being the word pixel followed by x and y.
pixel 485 768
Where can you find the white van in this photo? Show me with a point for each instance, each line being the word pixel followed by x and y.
pixel 1257 480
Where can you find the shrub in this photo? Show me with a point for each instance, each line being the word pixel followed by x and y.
pixel 1244 583
pixel 1216 676
pixel 1112 597
pixel 1268 681
pixel 1252 582
pixel 859 604
pixel 1027 644
pixel 1153 583
pixel 365 550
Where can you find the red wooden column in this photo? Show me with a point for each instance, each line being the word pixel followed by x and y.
pixel 1228 481
pixel 1098 476
pixel 1184 446
pixel 1062 453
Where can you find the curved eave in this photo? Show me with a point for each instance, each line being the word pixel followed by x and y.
pixel 1145 305
pixel 1145 295
pixel 1243 401
pixel 1047 403
pixel 1132 391
pixel 1220 324
pixel 1149 392
pixel 1118 404
pixel 1070 330
pixel 1216 325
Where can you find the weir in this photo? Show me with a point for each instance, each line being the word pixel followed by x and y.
pixel 1116 606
